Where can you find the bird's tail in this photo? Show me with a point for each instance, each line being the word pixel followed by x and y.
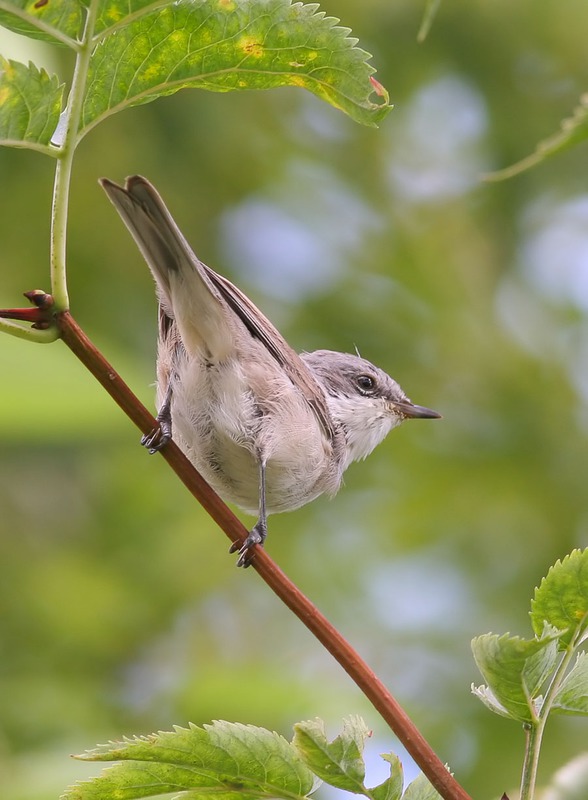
pixel 186 292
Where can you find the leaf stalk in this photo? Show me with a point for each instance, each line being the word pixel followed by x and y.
pixel 535 730
pixel 66 138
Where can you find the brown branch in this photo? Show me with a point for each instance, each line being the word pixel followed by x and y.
pixel 309 615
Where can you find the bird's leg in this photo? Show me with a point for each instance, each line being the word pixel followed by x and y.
pixel 259 531
pixel 159 436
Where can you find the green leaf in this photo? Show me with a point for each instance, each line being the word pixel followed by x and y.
pixel 390 789
pixel 114 13
pixel 572 696
pixel 562 598
pixel 340 762
pixel 421 789
pixel 227 759
pixel 223 45
pixel 131 780
pixel 515 669
pixel 574 130
pixel 56 22
pixel 30 104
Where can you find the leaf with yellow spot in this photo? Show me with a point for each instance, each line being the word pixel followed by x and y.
pixel 225 46
pixel 113 11
pixel 30 104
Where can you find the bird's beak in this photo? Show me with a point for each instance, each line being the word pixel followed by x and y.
pixel 411 411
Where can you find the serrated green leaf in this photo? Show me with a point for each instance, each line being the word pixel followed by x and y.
pixel 572 696
pixel 30 104
pixel 562 598
pixel 573 130
pixel 224 45
pixel 515 669
pixel 227 759
pixel 390 789
pixel 421 789
pixel 340 762
pixel 51 21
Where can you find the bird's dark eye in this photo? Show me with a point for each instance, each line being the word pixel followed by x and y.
pixel 366 384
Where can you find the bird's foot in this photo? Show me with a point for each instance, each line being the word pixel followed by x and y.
pixel 246 549
pixel 156 439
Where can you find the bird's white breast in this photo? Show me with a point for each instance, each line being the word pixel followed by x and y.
pixel 226 417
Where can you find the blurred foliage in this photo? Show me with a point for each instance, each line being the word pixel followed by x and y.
pixel 121 611
pixel 573 131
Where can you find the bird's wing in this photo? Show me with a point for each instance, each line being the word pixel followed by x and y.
pixel 261 328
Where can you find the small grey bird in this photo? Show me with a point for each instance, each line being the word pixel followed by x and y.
pixel 268 429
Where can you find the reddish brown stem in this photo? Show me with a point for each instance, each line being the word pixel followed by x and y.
pixel 25 314
pixel 340 649
pixel 40 317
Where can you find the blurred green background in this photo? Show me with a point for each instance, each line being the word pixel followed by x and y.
pixel 120 610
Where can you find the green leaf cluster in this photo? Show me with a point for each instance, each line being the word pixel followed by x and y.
pixel 232 761
pixel 140 51
pixel 527 678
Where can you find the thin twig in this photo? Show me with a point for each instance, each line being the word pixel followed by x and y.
pixel 309 615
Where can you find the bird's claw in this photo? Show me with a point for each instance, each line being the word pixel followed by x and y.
pixel 246 549
pixel 157 438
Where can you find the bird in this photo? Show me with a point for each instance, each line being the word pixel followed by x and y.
pixel 269 429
